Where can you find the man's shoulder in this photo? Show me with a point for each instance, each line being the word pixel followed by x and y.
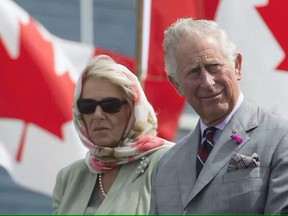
pixel 173 153
pixel 260 115
pixel 156 155
pixel 274 124
pixel 273 120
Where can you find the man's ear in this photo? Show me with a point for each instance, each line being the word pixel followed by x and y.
pixel 175 83
pixel 238 66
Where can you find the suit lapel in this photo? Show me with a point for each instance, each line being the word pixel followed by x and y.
pixel 225 147
pixel 186 166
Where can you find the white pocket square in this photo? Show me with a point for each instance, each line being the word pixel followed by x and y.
pixel 239 161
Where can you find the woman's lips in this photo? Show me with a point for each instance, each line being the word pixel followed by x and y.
pixel 100 128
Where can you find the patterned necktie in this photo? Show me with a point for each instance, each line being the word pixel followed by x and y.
pixel 205 148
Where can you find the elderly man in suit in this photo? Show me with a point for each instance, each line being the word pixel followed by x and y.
pixel 240 166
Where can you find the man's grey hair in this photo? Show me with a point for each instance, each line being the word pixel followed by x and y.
pixel 188 27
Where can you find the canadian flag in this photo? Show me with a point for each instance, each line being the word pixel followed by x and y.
pixel 259 29
pixel 158 15
pixel 37 77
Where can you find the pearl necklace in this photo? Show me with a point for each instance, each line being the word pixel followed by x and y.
pixel 101 185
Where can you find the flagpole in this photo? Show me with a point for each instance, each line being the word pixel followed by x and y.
pixel 138 62
pixel 86 21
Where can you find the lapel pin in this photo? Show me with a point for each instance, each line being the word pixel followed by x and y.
pixel 237 139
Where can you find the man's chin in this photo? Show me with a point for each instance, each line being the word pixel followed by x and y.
pixel 212 118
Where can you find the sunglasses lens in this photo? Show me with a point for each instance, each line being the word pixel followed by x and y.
pixel 86 106
pixel 111 106
pixel 108 105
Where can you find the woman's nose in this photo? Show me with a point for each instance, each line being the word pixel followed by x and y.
pixel 98 111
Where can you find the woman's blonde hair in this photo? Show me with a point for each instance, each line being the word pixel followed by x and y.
pixel 104 67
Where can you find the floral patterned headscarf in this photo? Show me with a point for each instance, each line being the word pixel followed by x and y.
pixel 139 138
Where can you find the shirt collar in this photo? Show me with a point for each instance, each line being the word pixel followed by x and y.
pixel 222 124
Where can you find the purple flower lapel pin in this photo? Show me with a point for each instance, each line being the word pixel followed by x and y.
pixel 237 139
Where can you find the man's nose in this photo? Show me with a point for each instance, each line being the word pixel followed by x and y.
pixel 207 79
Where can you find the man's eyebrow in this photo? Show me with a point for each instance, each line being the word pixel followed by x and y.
pixel 191 67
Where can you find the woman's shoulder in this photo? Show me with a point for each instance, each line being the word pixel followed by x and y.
pixel 76 167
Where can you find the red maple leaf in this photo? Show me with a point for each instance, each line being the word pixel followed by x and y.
pixel 210 8
pixel 274 13
pixel 29 87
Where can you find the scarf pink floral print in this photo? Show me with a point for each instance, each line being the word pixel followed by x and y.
pixel 102 159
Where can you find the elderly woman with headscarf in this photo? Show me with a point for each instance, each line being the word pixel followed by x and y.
pixel 118 125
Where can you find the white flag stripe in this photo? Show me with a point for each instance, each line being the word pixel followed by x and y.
pixel 261 82
pixel 44 153
pixel 11 14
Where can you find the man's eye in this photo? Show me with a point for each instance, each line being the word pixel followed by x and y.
pixel 213 68
pixel 194 72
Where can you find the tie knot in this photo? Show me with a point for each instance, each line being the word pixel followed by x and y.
pixel 209 133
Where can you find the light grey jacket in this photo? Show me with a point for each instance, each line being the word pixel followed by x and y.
pixel 129 194
pixel 258 190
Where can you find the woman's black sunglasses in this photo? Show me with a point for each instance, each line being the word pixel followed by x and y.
pixel 108 105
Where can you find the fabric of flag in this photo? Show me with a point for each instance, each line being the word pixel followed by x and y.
pixel 37 75
pixel 165 100
pixel 259 30
pixel 259 35
pixel 37 136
